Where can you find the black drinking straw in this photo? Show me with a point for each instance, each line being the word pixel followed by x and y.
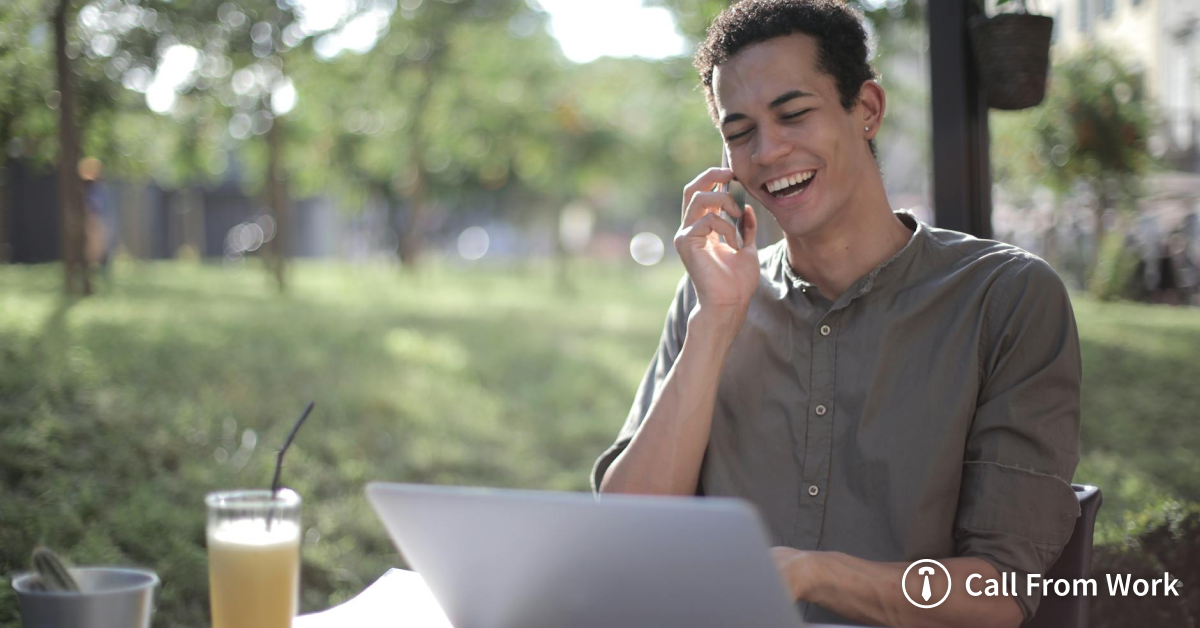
pixel 283 450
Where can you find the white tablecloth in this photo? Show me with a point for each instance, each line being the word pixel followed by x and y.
pixel 397 599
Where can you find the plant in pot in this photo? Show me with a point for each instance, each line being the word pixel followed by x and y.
pixel 54 595
pixel 1012 54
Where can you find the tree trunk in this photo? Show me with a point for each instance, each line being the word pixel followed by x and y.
pixel 6 122
pixel 77 278
pixel 276 190
pixel 1050 248
pixel 411 239
pixel 391 212
pixel 4 245
pixel 134 235
pixel 1097 227
pixel 563 278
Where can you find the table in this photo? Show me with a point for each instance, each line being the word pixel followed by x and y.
pixel 398 598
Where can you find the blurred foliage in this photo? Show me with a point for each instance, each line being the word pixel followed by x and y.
pixel 116 48
pixel 1116 273
pixel 694 16
pixel 1164 538
pixel 121 411
pixel 506 115
pixel 453 104
pixel 1138 440
pixel 27 123
pixel 1097 111
pixel 1088 142
pixel 1091 130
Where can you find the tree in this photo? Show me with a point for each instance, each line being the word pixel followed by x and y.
pixel 78 279
pixel 241 50
pixel 26 128
pixel 1089 137
pixel 455 99
pixel 1093 129
pixel 431 30
pixel 228 61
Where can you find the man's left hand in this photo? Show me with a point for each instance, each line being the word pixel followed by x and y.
pixel 791 564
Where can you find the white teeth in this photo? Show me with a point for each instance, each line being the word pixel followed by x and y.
pixel 783 182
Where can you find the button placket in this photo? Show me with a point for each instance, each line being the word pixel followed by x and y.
pixel 819 441
pixel 825 330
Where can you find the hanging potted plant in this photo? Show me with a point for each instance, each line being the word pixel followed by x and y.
pixel 1012 54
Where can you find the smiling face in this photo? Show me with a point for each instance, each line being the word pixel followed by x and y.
pixel 790 141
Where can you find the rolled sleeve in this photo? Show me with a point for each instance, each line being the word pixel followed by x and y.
pixel 1016 506
pixel 669 346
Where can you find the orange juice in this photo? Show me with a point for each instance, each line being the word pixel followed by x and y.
pixel 254 573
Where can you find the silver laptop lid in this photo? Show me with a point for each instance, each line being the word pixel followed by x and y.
pixel 498 558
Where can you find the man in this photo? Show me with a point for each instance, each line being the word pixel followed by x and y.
pixel 883 391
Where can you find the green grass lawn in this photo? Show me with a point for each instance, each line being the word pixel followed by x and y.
pixel 119 412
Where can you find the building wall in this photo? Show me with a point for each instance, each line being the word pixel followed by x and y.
pixel 1181 71
pixel 1128 26
pixel 1160 37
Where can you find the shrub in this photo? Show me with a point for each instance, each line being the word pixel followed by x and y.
pixel 1115 271
pixel 1162 539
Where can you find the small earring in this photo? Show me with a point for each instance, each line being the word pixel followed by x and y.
pixel 866 128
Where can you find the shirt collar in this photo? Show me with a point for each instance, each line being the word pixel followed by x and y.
pixel 787 277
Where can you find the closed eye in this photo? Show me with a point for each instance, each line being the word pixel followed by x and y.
pixel 790 116
pixel 735 136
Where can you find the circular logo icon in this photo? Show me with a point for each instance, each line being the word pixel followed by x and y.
pixel 924 573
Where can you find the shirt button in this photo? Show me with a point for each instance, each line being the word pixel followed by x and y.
pixel 825 330
pixel 820 410
pixel 813 490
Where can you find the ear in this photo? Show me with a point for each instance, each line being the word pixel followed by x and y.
pixel 868 112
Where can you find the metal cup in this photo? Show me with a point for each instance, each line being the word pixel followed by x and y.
pixel 111 597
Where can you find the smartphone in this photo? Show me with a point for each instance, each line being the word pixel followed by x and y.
pixel 738 197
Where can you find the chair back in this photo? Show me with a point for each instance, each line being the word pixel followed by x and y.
pixel 1074 562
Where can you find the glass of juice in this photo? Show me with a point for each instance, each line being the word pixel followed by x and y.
pixel 253 558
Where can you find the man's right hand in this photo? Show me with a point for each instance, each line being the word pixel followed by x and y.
pixel 665 454
pixel 725 277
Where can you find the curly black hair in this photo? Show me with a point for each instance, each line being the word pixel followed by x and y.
pixel 838 30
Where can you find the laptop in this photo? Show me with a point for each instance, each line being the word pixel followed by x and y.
pixel 499 558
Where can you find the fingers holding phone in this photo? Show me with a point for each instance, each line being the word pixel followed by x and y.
pixel 703 203
pixel 721 258
pixel 709 193
pixel 710 226
pixel 734 218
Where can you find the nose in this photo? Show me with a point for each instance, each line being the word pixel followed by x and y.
pixel 770 145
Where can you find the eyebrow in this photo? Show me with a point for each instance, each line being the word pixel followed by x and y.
pixel 785 97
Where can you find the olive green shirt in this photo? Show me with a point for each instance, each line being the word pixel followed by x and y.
pixel 931 411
